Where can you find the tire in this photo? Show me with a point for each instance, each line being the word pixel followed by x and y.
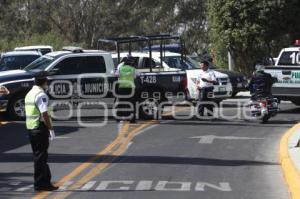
pixel 16 107
pixel 149 109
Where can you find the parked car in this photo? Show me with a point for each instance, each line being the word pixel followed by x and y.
pixel 17 60
pixel 42 49
pixel 238 80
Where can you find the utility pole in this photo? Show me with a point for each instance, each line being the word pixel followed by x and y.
pixel 231 64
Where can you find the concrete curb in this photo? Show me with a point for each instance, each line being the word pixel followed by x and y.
pixel 290 162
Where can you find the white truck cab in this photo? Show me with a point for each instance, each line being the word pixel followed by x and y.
pixel 172 62
pixel 41 48
pixel 287 72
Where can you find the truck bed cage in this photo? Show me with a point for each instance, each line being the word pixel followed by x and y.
pixel 117 41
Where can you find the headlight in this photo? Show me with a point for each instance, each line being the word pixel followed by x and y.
pixel 3 91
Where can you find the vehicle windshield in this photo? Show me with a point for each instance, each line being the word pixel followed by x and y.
pixel 289 59
pixel 198 60
pixel 40 64
pixel 175 62
pixel 16 62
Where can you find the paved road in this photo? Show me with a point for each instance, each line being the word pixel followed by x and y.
pixel 165 159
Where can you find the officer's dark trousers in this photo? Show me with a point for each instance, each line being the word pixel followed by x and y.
pixel 39 139
pixel 125 99
pixel 205 102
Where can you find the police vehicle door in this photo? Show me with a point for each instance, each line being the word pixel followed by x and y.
pixel 61 85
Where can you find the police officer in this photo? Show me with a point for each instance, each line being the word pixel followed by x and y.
pixel 126 87
pixel 205 84
pixel 40 129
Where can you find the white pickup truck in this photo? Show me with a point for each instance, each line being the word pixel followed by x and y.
pixel 287 72
pixel 172 62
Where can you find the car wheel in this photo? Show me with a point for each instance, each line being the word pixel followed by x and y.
pixel 16 107
pixel 149 109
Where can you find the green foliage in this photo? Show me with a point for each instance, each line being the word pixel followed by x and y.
pixel 251 29
pixel 50 38
pixel 62 22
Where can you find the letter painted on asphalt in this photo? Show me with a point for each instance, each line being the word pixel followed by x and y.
pixel 144 186
pixel 173 186
pixel 89 185
pixel 223 186
pixel 104 185
pixel 65 185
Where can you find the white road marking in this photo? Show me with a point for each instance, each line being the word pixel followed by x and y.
pixel 65 185
pixel 223 186
pixel 26 188
pixel 87 186
pixel 173 186
pixel 209 139
pixel 14 183
pixel 61 137
pixel 143 185
pixel 104 185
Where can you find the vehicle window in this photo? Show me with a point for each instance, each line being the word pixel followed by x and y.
pixel 92 64
pixel 40 64
pixel 68 66
pixel 136 61
pixel 175 62
pixel 147 62
pixel 115 60
pixel 289 58
pixel 16 62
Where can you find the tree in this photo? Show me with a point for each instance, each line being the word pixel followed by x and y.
pixel 250 30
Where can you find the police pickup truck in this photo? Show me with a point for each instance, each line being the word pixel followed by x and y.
pixel 172 62
pixel 82 76
pixel 287 72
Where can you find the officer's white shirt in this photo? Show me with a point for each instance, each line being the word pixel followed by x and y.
pixel 209 75
pixel 42 101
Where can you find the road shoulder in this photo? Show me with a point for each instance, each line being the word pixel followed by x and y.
pixel 290 161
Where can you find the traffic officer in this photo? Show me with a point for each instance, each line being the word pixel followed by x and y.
pixel 126 88
pixel 205 84
pixel 40 129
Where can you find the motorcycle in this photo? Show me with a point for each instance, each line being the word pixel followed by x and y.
pixel 264 108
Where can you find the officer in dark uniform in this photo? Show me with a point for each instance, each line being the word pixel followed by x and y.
pixel 40 129
pixel 261 83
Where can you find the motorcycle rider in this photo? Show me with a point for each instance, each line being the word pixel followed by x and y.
pixel 260 85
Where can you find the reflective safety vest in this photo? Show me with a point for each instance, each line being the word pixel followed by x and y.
pixel 126 76
pixel 33 115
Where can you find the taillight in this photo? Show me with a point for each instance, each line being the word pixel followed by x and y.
pixel 264 103
pixel 183 83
